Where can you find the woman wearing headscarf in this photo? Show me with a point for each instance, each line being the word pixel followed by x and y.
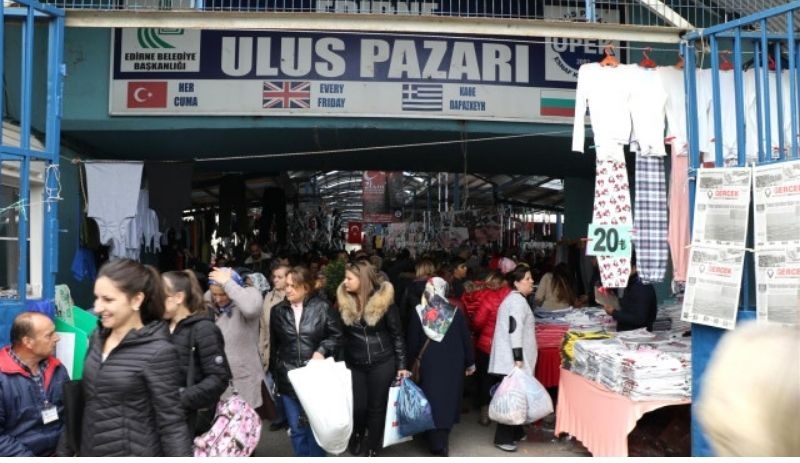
pixel 374 349
pixel 514 344
pixel 237 310
pixel 441 330
pixel 258 281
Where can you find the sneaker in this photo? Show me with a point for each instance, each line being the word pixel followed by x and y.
pixel 507 447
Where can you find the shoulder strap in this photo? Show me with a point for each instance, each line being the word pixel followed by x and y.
pixel 190 368
pixel 422 351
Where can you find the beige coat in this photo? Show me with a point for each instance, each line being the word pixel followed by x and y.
pixel 270 300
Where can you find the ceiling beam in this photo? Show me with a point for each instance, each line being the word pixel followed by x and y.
pixel 440 25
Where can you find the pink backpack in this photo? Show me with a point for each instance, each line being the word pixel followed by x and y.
pixel 235 432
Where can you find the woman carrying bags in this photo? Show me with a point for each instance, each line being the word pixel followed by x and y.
pixel 441 330
pixel 514 344
pixel 374 349
pixel 131 376
pixel 302 327
pixel 201 349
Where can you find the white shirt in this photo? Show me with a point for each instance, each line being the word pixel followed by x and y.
pixel 672 82
pixel 648 106
pixel 751 115
pixel 605 92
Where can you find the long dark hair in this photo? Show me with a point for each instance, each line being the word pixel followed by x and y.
pixel 562 284
pixel 185 281
pixel 131 277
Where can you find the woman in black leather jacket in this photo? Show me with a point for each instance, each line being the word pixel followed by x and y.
pixel 302 327
pixel 201 349
pixel 374 349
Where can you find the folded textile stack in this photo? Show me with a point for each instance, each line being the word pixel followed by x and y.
pixel 598 360
pixel 568 345
pixel 672 312
pixel 550 335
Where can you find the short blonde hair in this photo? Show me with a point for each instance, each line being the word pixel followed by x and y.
pixel 751 393
pixel 425 269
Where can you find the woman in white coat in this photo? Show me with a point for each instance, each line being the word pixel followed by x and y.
pixel 514 344
pixel 237 311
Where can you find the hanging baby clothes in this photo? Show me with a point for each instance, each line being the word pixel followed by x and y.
pixel 143 228
pixel 678 232
pixel 113 193
pixel 612 206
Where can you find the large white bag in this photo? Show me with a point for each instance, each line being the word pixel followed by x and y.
pixel 520 399
pixel 325 390
pixel 391 428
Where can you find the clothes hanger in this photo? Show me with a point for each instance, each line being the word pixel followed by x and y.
pixel 679 63
pixel 725 65
pixel 610 59
pixel 646 62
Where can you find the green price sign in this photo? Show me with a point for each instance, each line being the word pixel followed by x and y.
pixel 609 240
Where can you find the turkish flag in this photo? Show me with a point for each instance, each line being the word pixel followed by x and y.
pixel 354 232
pixel 147 94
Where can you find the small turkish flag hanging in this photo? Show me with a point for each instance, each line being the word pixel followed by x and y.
pixel 354 232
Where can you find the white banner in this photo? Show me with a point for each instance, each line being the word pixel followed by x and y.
pixel 722 206
pixel 776 201
pixel 778 285
pixel 713 282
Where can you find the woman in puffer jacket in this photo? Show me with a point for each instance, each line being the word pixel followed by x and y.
pixel 201 349
pixel 131 376
pixel 374 349
pixel 303 327
pixel 495 290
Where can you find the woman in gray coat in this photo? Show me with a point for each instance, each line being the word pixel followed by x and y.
pixel 238 310
pixel 514 344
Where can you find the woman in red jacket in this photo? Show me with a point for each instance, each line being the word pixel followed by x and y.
pixel 490 297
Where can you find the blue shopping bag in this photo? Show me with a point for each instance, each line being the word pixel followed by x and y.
pixel 414 413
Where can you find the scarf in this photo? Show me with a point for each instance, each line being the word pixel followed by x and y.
pixel 435 311
pixel 259 282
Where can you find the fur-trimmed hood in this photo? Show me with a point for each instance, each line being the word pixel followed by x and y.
pixel 376 307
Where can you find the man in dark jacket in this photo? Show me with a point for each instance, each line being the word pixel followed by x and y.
pixel 31 382
pixel 638 306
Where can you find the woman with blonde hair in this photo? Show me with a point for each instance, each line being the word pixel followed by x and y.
pixel 201 350
pixel 423 270
pixel 753 413
pixel 374 349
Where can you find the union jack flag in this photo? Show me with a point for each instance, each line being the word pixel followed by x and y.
pixel 286 94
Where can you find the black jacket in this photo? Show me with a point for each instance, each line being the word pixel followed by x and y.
pixel 320 331
pixel 132 406
pixel 638 306
pixel 376 334
pixel 211 370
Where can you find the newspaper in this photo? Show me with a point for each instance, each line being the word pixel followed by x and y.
pixel 777 205
pixel 722 206
pixel 778 285
pixel 713 282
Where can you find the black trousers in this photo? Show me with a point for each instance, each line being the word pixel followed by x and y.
pixel 485 380
pixel 370 392
pixel 506 434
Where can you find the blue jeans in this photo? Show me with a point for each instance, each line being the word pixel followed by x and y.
pixel 303 441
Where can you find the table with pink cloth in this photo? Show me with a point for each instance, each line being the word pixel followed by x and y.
pixel 598 417
pixel 548 363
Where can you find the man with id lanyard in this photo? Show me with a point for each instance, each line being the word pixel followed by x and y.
pixel 31 382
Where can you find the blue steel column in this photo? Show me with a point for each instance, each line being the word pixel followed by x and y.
pixel 761 154
pixel 26 96
pixel 766 99
pixel 741 135
pixel 690 82
pixel 716 106
pixel 792 83
pixel 779 101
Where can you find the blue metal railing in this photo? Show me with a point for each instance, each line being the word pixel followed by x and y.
pixel 27 16
pixel 766 44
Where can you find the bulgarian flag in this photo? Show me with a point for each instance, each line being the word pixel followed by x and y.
pixel 557 103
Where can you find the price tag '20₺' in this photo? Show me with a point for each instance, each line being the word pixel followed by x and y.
pixel 609 240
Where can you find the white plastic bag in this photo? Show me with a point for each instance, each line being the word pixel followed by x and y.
pixel 325 391
pixel 520 399
pixel 391 429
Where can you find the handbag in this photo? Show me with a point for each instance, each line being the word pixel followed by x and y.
pixel 416 371
pixel 72 395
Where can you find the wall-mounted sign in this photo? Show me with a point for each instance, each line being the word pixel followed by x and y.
pixel 268 73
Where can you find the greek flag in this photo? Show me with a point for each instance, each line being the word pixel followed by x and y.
pixel 422 97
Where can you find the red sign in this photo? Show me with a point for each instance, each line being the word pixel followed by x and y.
pixel 354 232
pixel 147 94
